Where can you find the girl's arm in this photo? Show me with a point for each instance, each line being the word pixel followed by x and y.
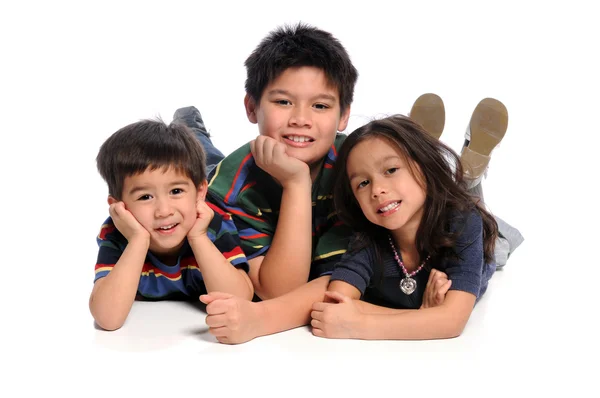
pixel 343 319
pixel 445 321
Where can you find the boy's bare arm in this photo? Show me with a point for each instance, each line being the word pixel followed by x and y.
pixel 286 265
pixel 217 272
pixel 233 320
pixel 113 295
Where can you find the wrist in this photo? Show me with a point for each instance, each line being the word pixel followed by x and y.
pixel 362 326
pixel 198 238
pixel 301 182
pixel 141 240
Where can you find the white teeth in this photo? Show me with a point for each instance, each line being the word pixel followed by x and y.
pixel 297 138
pixel 167 227
pixel 389 207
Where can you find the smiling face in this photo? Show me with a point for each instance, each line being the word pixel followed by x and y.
pixel 302 110
pixel 384 186
pixel 163 201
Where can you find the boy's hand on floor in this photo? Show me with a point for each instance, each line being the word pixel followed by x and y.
pixel 436 289
pixel 231 319
pixel 271 156
pixel 126 223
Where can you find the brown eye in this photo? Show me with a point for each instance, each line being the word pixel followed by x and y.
pixel 363 184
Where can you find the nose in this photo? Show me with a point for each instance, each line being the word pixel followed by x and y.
pixel 378 189
pixel 163 208
pixel 301 117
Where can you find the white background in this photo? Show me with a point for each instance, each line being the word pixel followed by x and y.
pixel 71 74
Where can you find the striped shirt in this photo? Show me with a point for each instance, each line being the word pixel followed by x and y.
pixel 253 198
pixel 182 280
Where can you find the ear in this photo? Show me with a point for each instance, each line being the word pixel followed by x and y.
pixel 111 200
pixel 202 189
pixel 251 108
pixel 343 123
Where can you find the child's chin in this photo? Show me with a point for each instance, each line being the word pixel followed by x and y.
pixel 165 248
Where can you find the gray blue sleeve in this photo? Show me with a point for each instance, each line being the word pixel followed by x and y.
pixel 355 268
pixel 465 272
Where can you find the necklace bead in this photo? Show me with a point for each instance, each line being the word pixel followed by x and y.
pixel 401 264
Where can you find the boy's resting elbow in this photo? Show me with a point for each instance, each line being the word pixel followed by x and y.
pixel 106 322
pixel 109 326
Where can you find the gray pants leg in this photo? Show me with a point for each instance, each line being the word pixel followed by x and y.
pixel 509 238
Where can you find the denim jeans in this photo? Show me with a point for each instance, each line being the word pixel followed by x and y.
pixel 190 116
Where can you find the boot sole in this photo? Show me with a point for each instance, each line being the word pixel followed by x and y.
pixel 489 123
pixel 428 111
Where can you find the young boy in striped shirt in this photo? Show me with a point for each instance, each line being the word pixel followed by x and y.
pixel 162 240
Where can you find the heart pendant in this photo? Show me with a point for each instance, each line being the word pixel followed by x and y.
pixel 408 285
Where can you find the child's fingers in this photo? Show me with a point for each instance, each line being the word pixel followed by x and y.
pixel 441 292
pixel 317 315
pixel 278 151
pixel 431 276
pixel 256 148
pixel 218 307
pixel 207 298
pixel 216 321
pixel 318 332
pixel 337 296
pixel 320 306
pixel 219 295
pixel 315 323
pixel 219 331
pixel 269 150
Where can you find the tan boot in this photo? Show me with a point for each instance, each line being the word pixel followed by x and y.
pixel 428 111
pixel 487 127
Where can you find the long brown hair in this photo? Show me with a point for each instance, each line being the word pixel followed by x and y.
pixel 434 165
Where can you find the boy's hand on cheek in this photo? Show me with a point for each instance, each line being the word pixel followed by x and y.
pixel 271 156
pixel 126 223
pixel 204 216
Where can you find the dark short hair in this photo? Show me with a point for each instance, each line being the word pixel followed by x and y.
pixel 438 169
pixel 150 144
pixel 296 46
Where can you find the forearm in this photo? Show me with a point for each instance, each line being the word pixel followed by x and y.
pixel 218 273
pixel 291 310
pixel 444 321
pixel 368 308
pixel 286 265
pixel 113 295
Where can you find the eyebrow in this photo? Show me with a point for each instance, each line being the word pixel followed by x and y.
pixel 318 96
pixel 142 188
pixel 378 164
